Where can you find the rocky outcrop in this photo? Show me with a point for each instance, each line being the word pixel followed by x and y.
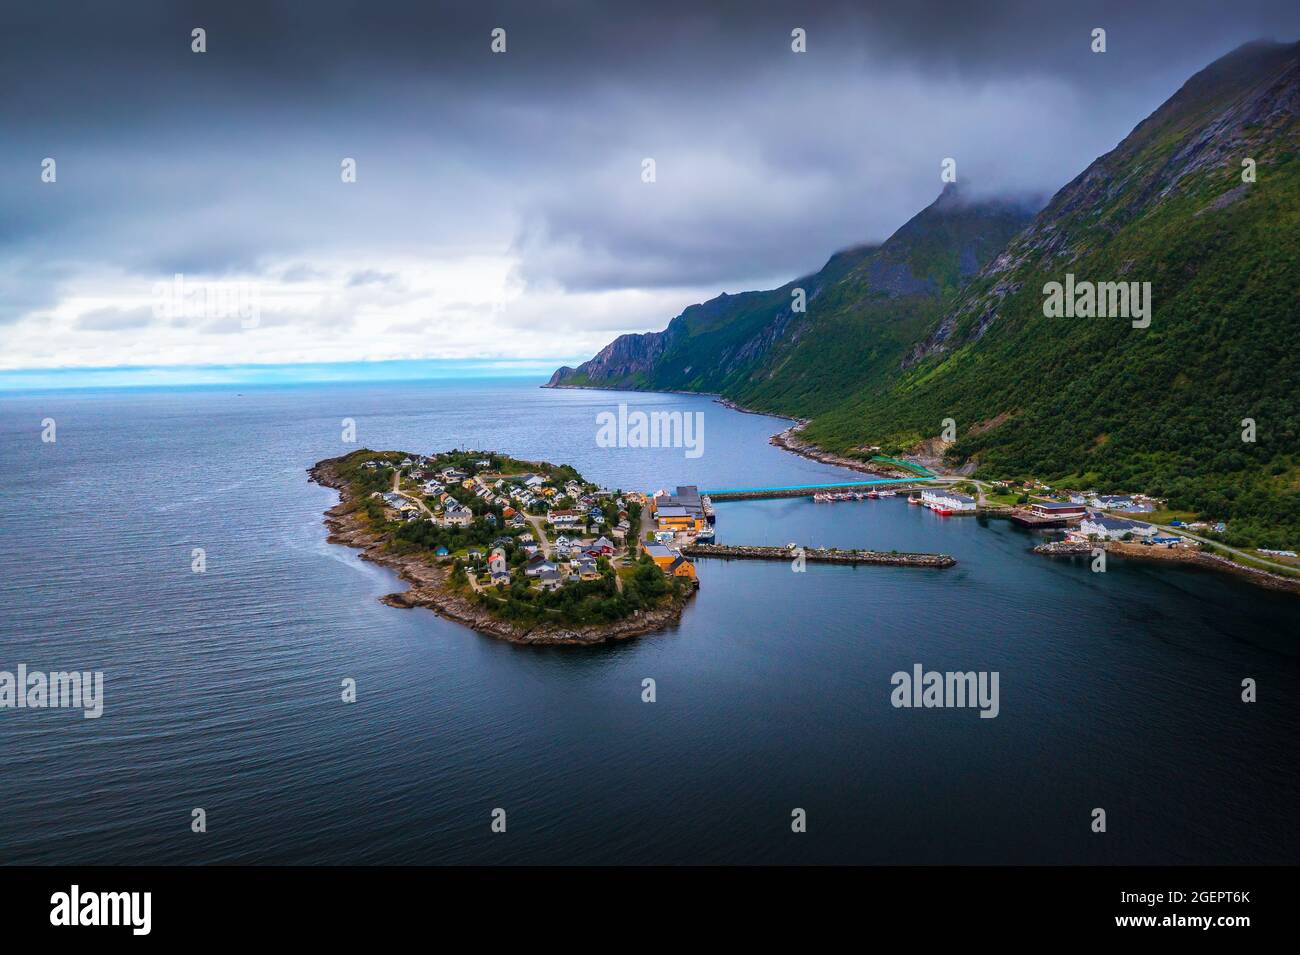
pixel 622 360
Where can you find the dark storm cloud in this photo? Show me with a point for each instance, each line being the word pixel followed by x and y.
pixel 767 161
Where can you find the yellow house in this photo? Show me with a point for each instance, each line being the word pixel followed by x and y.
pixel 670 562
pixel 661 555
pixel 681 567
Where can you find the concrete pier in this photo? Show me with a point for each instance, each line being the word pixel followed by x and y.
pixel 820 555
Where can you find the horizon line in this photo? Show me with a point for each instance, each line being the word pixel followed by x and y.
pixel 271 373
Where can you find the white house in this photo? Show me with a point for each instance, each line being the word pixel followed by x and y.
pixel 1113 528
pixel 941 499
pixel 457 515
pixel 535 567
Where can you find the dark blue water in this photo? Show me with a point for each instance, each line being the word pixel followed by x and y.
pixel 1117 690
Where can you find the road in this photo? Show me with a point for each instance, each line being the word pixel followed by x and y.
pixel 417 501
pixel 539 529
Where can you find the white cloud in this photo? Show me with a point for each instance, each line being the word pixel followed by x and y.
pixel 468 308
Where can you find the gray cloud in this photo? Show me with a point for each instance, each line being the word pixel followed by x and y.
pixel 114 319
pixel 373 277
pixel 767 161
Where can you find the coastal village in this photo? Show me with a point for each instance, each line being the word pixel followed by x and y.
pixel 534 553
pixel 518 524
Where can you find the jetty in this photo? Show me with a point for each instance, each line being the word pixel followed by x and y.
pixel 1065 548
pixel 819 554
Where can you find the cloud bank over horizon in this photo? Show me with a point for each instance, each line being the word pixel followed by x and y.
pixel 499 210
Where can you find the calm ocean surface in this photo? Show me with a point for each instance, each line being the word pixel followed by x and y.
pixel 1118 690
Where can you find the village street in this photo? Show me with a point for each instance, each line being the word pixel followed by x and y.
pixel 538 525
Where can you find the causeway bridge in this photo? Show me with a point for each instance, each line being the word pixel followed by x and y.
pixel 923 474
pixel 804 490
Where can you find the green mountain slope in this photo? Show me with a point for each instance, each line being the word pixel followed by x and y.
pixel 863 310
pixel 1094 401
pixel 899 338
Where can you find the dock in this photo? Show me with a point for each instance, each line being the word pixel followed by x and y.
pixel 819 555
pixel 1029 519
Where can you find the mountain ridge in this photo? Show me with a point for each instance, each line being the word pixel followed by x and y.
pixel 732 343
pixel 1090 402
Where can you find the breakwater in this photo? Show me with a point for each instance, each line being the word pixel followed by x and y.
pixel 819 554
pixel 1066 548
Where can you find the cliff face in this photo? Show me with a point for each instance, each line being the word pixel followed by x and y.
pixel 626 358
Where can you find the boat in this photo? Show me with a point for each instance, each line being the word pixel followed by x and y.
pixel 914 499
pixel 872 495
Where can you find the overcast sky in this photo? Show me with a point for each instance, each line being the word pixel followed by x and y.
pixel 499 210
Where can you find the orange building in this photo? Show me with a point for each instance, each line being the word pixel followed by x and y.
pixel 670 561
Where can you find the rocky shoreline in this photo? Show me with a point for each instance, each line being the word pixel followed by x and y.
pixel 430 587
pixel 1179 555
pixel 789 440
